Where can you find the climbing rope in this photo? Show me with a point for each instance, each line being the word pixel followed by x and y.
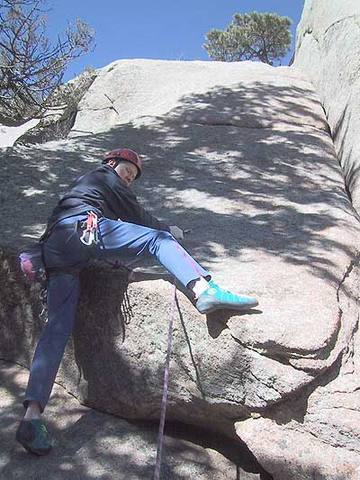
pixel 160 440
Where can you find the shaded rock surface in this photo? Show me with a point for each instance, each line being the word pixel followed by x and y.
pixel 322 422
pixel 328 52
pixel 93 445
pixel 241 155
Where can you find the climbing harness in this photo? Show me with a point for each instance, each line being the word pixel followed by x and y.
pixel 89 229
pixel 165 388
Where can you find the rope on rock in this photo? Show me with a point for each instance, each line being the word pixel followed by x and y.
pixel 165 388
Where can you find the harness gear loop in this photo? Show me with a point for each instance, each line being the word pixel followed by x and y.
pixel 90 234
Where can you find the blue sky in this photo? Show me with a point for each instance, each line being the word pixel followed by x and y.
pixel 173 30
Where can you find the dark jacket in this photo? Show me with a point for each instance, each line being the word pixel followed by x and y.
pixel 104 192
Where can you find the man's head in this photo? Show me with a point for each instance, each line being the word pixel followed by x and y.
pixel 126 163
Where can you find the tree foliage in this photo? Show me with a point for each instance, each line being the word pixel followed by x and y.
pixel 32 66
pixel 250 36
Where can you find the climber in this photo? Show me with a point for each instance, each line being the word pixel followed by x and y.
pixel 100 217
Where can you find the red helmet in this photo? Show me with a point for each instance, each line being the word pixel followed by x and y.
pixel 127 155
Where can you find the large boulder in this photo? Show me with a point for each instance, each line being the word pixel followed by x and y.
pixel 241 155
pixel 328 52
pixel 315 434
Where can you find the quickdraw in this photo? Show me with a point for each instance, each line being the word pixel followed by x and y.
pixel 90 235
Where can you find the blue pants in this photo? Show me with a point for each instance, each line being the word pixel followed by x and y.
pixel 63 250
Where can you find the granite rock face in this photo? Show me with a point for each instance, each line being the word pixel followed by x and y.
pixel 58 119
pixel 241 155
pixel 91 444
pixel 328 52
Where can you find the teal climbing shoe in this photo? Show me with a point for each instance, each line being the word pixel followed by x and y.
pixel 34 436
pixel 214 298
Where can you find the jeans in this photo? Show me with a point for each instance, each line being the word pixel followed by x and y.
pixel 65 255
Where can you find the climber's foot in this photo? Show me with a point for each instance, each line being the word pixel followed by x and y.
pixel 214 298
pixel 34 436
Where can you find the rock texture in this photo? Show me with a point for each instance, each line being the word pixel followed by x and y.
pixel 91 444
pixel 57 121
pixel 241 155
pixel 328 51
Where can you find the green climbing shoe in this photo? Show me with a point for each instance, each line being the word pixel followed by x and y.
pixel 34 437
pixel 214 298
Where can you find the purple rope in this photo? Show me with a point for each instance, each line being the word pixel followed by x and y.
pixel 165 389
